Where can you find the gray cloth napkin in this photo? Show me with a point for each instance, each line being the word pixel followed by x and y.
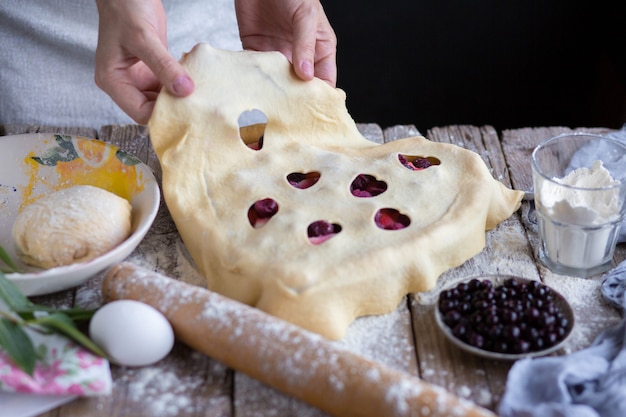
pixel 587 383
pixel 586 156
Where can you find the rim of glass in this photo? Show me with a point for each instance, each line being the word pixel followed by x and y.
pixel 619 144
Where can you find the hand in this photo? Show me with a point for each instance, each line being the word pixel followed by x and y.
pixel 132 60
pixel 297 28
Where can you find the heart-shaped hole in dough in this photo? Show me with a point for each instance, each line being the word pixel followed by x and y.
pixel 303 180
pixel 320 231
pixel 365 185
pixel 417 163
pixel 391 219
pixel 261 212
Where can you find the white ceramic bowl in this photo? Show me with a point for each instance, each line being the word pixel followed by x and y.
pixel 32 165
pixel 499 280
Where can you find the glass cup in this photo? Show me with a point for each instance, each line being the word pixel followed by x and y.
pixel 580 201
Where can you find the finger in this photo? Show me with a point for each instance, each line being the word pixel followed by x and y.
pixel 326 53
pixel 303 55
pixel 135 102
pixel 315 49
pixel 326 69
pixel 169 71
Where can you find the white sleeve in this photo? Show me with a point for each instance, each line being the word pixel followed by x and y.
pixel 48 50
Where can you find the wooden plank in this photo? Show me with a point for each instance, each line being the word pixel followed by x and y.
pixel 518 146
pixel 185 383
pixel 17 129
pixel 371 131
pixel 506 252
pixel 400 132
pixel 592 313
pixel 387 339
pixel 190 384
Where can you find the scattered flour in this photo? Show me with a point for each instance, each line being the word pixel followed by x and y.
pixel 163 391
pixel 278 353
pixel 578 215
pixel 463 391
pixel 484 398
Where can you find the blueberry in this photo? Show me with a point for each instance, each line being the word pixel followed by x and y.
pixel 460 330
pixel 452 317
pixel 515 317
pixel 476 339
pixel 512 332
pixel 521 346
pixel 446 305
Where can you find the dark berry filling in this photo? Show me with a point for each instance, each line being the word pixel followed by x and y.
pixel 516 317
pixel 261 211
pixel 321 230
pixel 365 185
pixel 391 219
pixel 417 163
pixel 258 145
pixel 303 180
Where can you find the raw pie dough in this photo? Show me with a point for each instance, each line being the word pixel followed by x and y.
pixel 71 225
pixel 212 175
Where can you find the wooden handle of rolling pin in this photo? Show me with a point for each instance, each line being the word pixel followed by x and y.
pixel 284 356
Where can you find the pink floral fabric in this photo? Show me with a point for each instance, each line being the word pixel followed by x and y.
pixel 63 368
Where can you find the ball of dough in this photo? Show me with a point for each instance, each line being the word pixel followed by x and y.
pixel 71 225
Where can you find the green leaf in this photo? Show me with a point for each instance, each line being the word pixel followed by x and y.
pixel 61 323
pixel 64 152
pixel 126 158
pixel 4 257
pixel 17 345
pixel 76 314
pixel 15 341
pixel 11 295
pixel 64 141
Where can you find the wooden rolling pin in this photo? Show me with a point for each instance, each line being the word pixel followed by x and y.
pixel 294 361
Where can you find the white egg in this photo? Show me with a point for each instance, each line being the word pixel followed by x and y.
pixel 131 333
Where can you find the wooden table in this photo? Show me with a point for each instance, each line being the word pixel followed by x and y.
pixel 187 383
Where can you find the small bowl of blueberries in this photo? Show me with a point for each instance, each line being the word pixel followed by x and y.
pixel 504 317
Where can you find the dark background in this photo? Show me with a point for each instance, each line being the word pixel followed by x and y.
pixel 506 63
